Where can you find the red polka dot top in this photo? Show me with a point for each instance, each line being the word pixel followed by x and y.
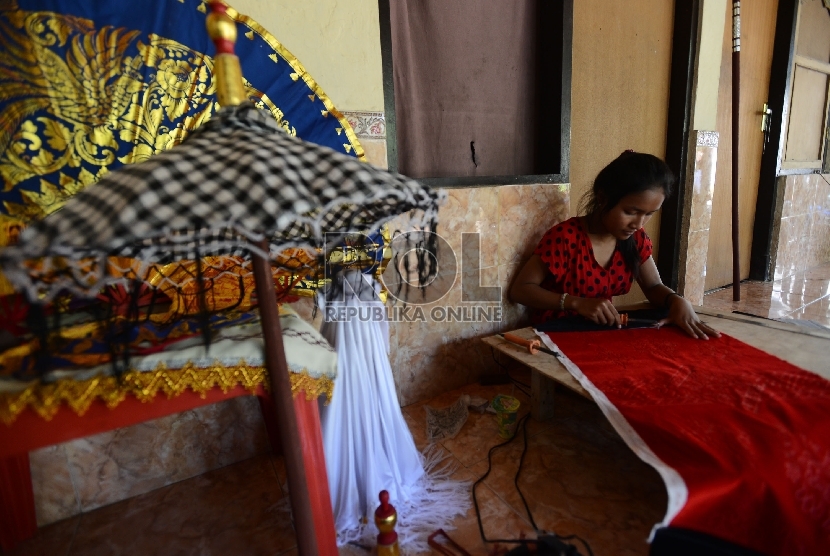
pixel 567 252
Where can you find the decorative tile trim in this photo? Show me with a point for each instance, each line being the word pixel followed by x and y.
pixel 367 125
pixel 707 139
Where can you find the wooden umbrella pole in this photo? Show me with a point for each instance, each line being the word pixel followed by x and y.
pixel 736 116
pixel 298 421
pixel 308 498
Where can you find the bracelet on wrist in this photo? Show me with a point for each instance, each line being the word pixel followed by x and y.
pixel 562 301
pixel 668 298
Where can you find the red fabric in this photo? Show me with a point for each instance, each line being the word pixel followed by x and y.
pixel 18 521
pixel 748 433
pixel 567 252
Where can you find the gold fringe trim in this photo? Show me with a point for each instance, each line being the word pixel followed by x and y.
pixel 46 399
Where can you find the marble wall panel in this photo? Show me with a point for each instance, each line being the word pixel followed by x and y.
pixel 813 246
pixel 703 188
pixel 696 266
pixel 375 151
pixel 107 468
pixel 803 236
pixel 513 315
pixel 812 191
pixel 799 242
pixel 474 209
pixel 784 248
pixel 116 465
pixel 821 229
pixel 417 355
pixel 440 353
pixel 696 237
pixel 804 195
pixel 431 357
pixel 820 238
pixel 55 496
pixel 526 212
pixel 787 209
pixel 804 232
pixel 795 245
pixel 793 187
pixel 823 194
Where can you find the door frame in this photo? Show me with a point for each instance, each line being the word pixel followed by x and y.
pixel 770 200
pixel 678 130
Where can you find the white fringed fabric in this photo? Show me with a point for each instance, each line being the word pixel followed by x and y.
pixel 367 443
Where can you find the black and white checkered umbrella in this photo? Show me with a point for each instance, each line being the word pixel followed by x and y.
pixel 235 180
pixel 237 186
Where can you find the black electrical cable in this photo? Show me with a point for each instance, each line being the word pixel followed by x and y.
pixel 519 384
pixel 522 390
pixel 523 425
pixel 506 368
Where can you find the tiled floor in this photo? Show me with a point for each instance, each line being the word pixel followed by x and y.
pixel 578 477
pixel 803 296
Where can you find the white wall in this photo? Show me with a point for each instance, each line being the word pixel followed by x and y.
pixel 337 41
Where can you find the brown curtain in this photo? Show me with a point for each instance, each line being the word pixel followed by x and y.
pixel 464 80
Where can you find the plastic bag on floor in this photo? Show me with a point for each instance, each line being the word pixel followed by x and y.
pixel 443 424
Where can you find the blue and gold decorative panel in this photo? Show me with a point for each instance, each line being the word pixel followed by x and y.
pixel 87 86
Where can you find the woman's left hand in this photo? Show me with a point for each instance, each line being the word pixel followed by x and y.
pixel 683 315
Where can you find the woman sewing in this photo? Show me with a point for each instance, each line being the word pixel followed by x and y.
pixel 581 263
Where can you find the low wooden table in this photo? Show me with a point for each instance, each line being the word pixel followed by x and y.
pixel 804 347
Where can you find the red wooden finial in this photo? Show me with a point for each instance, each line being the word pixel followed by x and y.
pixel 385 518
pixel 218 7
pixel 385 509
pixel 223 31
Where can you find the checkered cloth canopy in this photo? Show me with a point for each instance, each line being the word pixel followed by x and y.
pixel 235 179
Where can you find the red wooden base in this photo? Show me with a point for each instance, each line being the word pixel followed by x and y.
pixel 314 460
pixel 30 432
pixel 17 502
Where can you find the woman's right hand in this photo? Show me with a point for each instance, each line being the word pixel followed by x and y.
pixel 601 311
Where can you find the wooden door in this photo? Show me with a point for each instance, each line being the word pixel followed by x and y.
pixel 757 32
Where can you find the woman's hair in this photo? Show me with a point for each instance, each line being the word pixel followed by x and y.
pixel 629 173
